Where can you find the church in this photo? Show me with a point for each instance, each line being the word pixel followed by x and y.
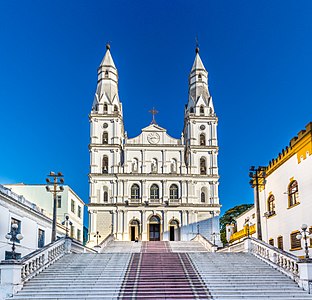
pixel 153 186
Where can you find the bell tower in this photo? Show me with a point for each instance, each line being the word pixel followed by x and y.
pixel 200 129
pixel 106 129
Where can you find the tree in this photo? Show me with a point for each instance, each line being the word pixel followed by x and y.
pixel 229 217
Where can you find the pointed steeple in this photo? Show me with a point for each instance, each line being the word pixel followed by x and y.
pixel 198 64
pixel 107 60
pixel 107 68
pixel 198 82
pixel 107 85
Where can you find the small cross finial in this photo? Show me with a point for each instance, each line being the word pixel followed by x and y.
pixel 108 45
pixel 197 45
pixel 153 112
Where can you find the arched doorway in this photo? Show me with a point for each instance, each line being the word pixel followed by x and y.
pixel 134 228
pixel 154 228
pixel 174 230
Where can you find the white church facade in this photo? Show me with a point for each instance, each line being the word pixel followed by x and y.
pixel 153 186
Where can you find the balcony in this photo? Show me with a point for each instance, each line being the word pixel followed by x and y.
pixel 154 201
pixel 135 200
pixel 174 201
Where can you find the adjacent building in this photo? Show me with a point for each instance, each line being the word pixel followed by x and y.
pixel 33 223
pixel 68 203
pixel 153 186
pixel 285 195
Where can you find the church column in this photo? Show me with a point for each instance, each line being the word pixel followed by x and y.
pixel 144 191
pixel 165 225
pixel 143 224
pixel 125 190
pixel 164 158
pixel 183 191
pixel 143 162
pixel 181 164
pixel 93 219
pixel 164 190
pixel 125 226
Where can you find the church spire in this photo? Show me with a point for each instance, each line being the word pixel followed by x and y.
pixel 198 82
pixel 107 84
pixel 108 60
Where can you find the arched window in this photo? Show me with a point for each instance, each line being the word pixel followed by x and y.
pixel 202 197
pixel 105 197
pixel 173 166
pixel 202 139
pixel 202 111
pixel 105 138
pixel 191 110
pixel 105 165
pixel 174 223
pixel 106 74
pixel 154 219
pixel 199 77
pixel 115 108
pixel 154 192
pixel 135 165
pixel 293 198
pixel 135 191
pixel 105 108
pixel 154 166
pixel 203 168
pixel 271 204
pixel 173 191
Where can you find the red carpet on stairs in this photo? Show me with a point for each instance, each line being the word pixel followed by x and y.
pixel 157 273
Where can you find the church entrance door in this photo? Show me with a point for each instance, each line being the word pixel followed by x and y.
pixel 154 228
pixel 171 238
pixel 134 230
pixel 132 233
pixel 154 232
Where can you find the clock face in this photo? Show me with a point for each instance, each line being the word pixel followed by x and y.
pixel 153 138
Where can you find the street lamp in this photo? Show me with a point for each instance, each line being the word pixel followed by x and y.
pixel 305 235
pixel 14 236
pixel 97 235
pixel 67 223
pixel 255 174
pixel 54 186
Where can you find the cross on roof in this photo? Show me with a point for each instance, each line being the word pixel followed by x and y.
pixel 153 112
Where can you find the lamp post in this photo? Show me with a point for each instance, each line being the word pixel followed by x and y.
pixel 214 235
pixel 305 235
pixel 54 186
pixel 247 223
pixel 255 174
pixel 97 235
pixel 14 236
pixel 67 223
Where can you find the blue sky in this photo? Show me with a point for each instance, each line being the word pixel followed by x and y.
pixel 257 53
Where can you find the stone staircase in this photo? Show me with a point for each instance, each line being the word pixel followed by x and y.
pixel 160 270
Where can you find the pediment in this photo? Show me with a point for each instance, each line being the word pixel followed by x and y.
pixel 153 135
pixel 153 127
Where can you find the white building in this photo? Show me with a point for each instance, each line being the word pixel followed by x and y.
pixel 285 200
pixel 33 224
pixel 68 203
pixel 153 186
pixel 286 195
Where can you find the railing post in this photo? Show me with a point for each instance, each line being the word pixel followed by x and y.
pixel 11 278
pixel 67 245
pixel 247 245
pixel 305 274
